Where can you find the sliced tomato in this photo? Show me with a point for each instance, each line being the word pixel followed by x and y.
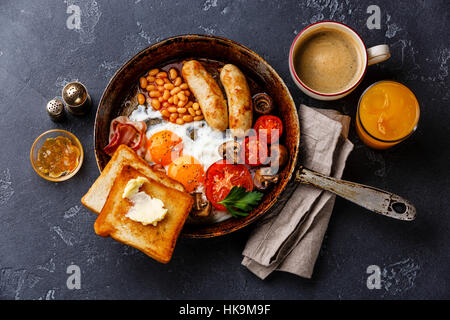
pixel 221 177
pixel 254 151
pixel 270 126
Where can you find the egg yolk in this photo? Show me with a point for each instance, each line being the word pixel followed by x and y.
pixel 165 146
pixel 188 171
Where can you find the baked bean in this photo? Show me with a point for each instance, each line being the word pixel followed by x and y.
pixel 173 73
pixel 173 116
pixel 161 74
pixel 175 91
pixel 141 98
pixel 156 104
pixel 172 96
pixel 154 94
pixel 177 81
pixel 143 82
pixel 191 111
pixel 166 94
pixel 165 113
pixel 188 118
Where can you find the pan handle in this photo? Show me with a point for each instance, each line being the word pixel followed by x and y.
pixel 376 200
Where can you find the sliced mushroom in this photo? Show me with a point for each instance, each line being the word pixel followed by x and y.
pixel 152 122
pixel 193 134
pixel 201 207
pixel 192 131
pixel 264 177
pixel 262 103
pixel 278 156
pixel 230 150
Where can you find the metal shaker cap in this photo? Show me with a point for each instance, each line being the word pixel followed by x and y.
pixel 76 97
pixel 55 109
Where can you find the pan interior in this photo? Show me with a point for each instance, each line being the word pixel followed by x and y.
pixel 214 51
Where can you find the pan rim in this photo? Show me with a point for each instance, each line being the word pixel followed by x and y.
pixel 294 157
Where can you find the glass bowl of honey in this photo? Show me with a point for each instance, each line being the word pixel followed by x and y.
pixel 56 155
pixel 388 113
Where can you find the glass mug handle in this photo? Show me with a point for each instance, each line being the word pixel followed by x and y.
pixel 378 54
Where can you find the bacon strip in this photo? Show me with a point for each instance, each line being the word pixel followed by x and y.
pixel 124 131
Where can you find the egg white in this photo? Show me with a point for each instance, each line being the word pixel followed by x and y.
pixel 143 113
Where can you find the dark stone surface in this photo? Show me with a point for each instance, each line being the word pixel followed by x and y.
pixel 44 228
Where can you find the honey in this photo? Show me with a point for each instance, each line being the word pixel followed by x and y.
pixel 57 157
pixel 388 113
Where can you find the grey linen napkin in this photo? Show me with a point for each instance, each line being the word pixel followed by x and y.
pixel 290 240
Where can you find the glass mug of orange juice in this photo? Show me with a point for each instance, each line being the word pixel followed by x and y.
pixel 387 114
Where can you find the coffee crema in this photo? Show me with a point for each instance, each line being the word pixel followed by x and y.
pixel 328 61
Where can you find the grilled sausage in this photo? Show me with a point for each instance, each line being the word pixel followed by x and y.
pixel 240 109
pixel 208 94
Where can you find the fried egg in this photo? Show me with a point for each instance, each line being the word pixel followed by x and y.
pixel 186 151
pixel 188 171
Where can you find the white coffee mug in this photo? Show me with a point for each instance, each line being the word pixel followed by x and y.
pixel 368 57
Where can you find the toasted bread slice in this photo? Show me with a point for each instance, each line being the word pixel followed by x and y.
pixel 95 198
pixel 157 241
